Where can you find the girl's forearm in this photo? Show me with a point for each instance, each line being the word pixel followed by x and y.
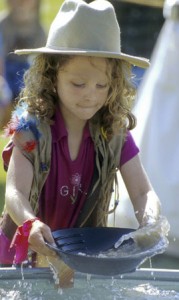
pixel 18 187
pixel 18 207
pixel 146 208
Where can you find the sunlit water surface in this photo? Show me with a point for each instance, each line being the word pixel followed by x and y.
pixel 88 289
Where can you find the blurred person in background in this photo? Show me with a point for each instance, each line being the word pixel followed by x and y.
pixel 20 27
pixel 140 25
pixel 157 112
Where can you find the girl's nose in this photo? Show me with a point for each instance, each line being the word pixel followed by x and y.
pixel 91 94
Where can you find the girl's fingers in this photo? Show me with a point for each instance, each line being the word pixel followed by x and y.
pixel 39 235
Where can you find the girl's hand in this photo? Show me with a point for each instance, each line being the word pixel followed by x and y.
pixel 149 235
pixel 40 233
pixel 152 233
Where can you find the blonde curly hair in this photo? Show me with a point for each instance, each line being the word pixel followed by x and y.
pixel 40 94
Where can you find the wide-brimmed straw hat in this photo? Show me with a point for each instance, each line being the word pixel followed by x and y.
pixel 86 29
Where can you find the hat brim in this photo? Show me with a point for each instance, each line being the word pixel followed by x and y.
pixel 134 60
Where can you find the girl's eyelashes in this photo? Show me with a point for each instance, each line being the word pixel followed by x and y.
pixel 102 86
pixel 78 84
pixel 98 85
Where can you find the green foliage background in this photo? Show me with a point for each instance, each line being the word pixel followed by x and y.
pixel 49 9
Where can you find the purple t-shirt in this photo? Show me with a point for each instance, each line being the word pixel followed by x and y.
pixel 67 184
pixel 61 205
pixel 129 150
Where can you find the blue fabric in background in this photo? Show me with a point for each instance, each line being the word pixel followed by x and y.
pixel 14 71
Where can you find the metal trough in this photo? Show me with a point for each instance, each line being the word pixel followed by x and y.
pixel 39 284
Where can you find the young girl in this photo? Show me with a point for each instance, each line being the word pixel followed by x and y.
pixel 71 133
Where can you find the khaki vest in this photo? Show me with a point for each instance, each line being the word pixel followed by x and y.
pixel 96 207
